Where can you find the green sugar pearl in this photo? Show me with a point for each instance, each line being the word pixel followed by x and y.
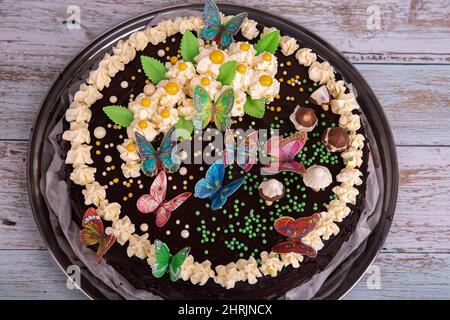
pixel 206 252
pixel 197 213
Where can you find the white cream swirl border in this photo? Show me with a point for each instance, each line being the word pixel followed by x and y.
pixel 79 115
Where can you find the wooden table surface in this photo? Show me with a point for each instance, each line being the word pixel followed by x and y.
pixel 404 55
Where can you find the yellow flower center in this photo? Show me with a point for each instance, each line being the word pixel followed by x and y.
pixel 172 88
pixel 143 124
pixel 217 56
pixel 266 80
pixel 205 81
pixel 244 46
pixel 266 56
pixel 145 102
pixel 241 68
pixel 182 66
pixel 131 147
pixel 165 113
pixel 173 59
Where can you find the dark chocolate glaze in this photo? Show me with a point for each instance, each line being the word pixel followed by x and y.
pixel 137 271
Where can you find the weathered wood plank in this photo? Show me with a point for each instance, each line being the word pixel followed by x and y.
pixel 420 223
pixel 406 276
pixel 33 274
pixel 415 98
pixel 406 31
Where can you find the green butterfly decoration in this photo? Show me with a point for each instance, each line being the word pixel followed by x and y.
pixel 166 263
pixel 206 110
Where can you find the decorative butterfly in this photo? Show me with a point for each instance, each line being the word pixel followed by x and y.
pixel 94 233
pixel 222 34
pixel 162 158
pixel 284 152
pixel 206 110
pixel 211 186
pixel 166 263
pixel 155 201
pixel 246 151
pixel 295 230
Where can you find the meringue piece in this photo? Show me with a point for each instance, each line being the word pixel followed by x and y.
pixel 249 29
pixel 304 119
pixel 321 72
pixel 271 190
pixel 305 57
pixel 94 194
pixel 335 139
pixel 317 177
pixel 336 88
pixel 83 175
pixel 321 97
pixel 288 45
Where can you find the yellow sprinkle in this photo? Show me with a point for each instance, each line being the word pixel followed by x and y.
pixel 184 188
pixel 97 152
pixel 125 198
pixel 272 108
pixel 130 195
pixel 113 167
pixel 278 109
pixel 147 81
pixel 115 126
pixel 301 89
pixel 173 59
pixel 133 78
pixel 115 180
pixel 297 77
pixel 288 63
pixel 97 143
pixel 191 177
pixel 128 185
pixel 167 48
pixel 288 82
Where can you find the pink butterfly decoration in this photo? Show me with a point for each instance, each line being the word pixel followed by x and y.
pixel 284 152
pixel 155 201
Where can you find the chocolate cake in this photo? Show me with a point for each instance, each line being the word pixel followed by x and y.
pixel 138 138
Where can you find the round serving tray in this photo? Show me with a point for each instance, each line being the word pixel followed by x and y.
pixel 381 141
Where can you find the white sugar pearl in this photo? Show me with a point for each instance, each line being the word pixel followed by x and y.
pixel 149 89
pixel 113 99
pixel 186 226
pixel 144 227
pixel 177 222
pixel 185 234
pixel 108 159
pixel 168 232
pixel 99 132
pixel 161 53
pixel 183 155
pixel 124 84
pixel 183 171
pixel 169 178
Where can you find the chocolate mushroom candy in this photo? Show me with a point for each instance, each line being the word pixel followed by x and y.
pixel 335 139
pixel 304 119
pixel 317 177
pixel 271 190
pixel 321 97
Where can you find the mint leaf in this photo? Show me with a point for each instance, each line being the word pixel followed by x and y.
pixel 185 126
pixel 255 108
pixel 119 115
pixel 227 72
pixel 154 69
pixel 189 46
pixel 268 43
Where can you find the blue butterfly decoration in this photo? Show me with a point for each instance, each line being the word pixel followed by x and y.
pixel 215 30
pixel 162 158
pixel 211 186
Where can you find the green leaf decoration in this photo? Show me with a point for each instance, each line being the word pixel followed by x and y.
pixel 119 115
pixel 189 46
pixel 227 72
pixel 185 124
pixel 268 43
pixel 255 108
pixel 154 69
